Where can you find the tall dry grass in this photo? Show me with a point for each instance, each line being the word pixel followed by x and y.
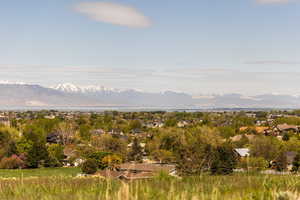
pixel 235 187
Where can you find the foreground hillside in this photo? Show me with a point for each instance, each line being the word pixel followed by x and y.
pixel 237 186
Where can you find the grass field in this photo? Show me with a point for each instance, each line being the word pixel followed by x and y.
pixel 60 184
pixel 42 172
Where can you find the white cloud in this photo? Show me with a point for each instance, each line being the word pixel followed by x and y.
pixel 273 1
pixel 113 13
pixel 272 62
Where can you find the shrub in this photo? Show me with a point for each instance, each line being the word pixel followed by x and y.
pixel 253 163
pixel 111 161
pixel 52 162
pixel 89 166
pixel 13 162
pixel 98 156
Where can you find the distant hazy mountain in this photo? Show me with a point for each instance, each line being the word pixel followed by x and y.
pixel 21 94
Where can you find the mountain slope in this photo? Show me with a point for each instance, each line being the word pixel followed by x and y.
pixel 18 94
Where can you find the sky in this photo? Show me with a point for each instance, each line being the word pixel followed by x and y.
pixel 196 46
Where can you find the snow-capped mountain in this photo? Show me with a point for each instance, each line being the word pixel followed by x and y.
pixel 71 88
pixel 4 82
pixel 22 94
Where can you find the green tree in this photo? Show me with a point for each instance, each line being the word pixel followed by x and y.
pixel 136 152
pixel 266 147
pixel 296 163
pixel 112 161
pixel 281 162
pixel 37 154
pixel 56 155
pixel 163 156
pixel 224 160
pixel 135 124
pixel 89 166
pixel 107 143
pixel 85 132
pixel 253 163
pixel 7 141
pixel 285 136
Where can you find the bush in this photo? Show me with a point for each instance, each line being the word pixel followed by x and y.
pixel 98 156
pixel 89 166
pixel 253 163
pixel 13 162
pixel 52 162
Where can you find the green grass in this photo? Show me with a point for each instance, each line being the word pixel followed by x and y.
pixel 58 184
pixel 42 172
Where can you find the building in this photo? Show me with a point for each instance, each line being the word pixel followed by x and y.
pixel 242 152
pixel 4 120
pixel 133 171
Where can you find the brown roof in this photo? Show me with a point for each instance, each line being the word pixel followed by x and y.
pixel 124 174
pixel 282 127
pixel 239 137
pixel 146 167
pixel 133 176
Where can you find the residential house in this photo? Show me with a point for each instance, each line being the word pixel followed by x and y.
pixel 182 124
pixel 4 120
pixel 132 171
pixel 282 128
pixel 242 152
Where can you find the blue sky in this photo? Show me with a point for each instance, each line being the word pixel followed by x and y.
pixel 195 46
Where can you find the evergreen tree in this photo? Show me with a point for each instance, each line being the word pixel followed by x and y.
pixel 281 162
pixel 136 153
pixel 224 160
pixel 296 163
pixel 89 166
pixel 285 137
pixel 37 154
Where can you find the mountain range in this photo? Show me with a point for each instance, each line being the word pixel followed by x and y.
pixel 22 94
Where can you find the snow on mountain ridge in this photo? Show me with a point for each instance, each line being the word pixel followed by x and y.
pixel 71 88
pixel 4 82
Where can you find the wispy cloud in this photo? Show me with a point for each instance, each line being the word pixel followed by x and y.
pixel 272 62
pixel 113 13
pixel 273 1
pixel 189 80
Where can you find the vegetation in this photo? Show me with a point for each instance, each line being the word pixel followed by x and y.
pixel 202 146
pixel 89 166
pixel 236 187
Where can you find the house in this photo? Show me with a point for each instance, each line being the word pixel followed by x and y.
pixel 132 171
pixel 242 152
pixel 182 124
pixel 123 175
pixel 147 167
pixel 78 162
pixel 97 132
pixel 155 125
pixel 53 138
pixel 285 128
pixel 142 144
pixel 4 120
pixel 252 115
